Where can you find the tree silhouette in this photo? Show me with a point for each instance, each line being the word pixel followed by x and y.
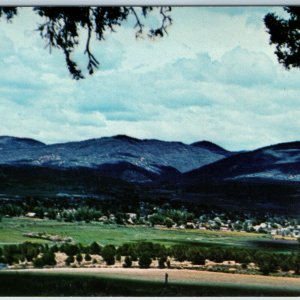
pixel 145 260
pixel 285 34
pixel 127 262
pixel 9 12
pixel 108 254
pixel 61 27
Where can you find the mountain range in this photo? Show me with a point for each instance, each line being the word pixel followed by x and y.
pixel 89 167
pixel 146 160
pixel 202 172
pixel 121 156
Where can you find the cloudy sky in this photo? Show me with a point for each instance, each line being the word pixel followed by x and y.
pixel 214 77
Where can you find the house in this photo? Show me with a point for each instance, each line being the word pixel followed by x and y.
pixel 190 225
pixel 224 228
pixel 112 217
pixel 130 221
pixel 256 227
pixel 30 215
pixel 103 219
pixel 131 216
pixel 296 233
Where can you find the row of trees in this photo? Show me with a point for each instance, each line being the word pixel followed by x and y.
pixel 145 252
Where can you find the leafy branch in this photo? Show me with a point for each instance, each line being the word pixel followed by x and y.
pixel 61 26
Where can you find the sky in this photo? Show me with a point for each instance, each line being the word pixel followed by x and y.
pixel 214 77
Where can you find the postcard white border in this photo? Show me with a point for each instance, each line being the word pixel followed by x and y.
pixel 147 2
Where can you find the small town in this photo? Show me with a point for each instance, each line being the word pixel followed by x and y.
pixel 164 216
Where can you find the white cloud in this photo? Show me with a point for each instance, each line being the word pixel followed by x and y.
pixel 214 77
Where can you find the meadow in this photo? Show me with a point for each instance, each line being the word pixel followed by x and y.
pixel 12 230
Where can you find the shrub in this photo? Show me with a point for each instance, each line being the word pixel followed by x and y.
pixel 118 257
pixel 161 262
pixel 168 263
pixel 38 262
pixel 267 263
pixel 145 261
pixel 156 219
pixel 69 260
pixel 22 258
pixel 216 254
pixel 244 266
pixel 87 257
pixel 159 250
pixel 196 257
pixel 134 257
pixel 286 263
pixel 169 222
pixel 146 247
pixel 179 252
pixel 108 254
pixel 79 258
pixel 54 248
pixel 95 248
pixel 296 263
pixel 47 259
pixel 69 249
pixel 94 261
pixel 124 249
pixel 127 262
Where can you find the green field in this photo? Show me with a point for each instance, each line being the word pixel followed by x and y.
pixel 12 230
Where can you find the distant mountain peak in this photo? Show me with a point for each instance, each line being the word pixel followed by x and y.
pixel 282 146
pixel 210 146
pixel 125 137
pixel 5 139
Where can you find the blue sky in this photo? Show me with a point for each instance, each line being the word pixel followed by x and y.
pixel 214 77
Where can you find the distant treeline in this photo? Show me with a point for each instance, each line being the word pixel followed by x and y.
pixel 155 213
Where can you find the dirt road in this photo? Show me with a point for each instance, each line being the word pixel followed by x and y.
pixel 181 276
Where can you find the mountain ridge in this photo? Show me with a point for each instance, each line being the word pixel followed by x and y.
pixel 275 162
pixel 146 160
pixel 150 154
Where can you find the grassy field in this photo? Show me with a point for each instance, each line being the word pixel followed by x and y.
pixel 88 282
pixel 12 230
pixel 93 284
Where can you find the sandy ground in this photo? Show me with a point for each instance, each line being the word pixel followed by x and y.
pixel 180 276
